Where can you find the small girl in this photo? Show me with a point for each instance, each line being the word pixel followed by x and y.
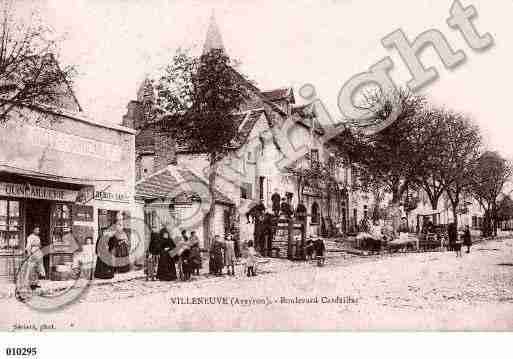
pixel 251 260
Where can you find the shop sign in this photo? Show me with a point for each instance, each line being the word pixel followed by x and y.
pixel 63 142
pixel 111 196
pixel 25 190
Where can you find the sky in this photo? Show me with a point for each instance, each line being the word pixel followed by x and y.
pixel 115 44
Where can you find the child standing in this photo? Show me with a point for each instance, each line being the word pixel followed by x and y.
pixel 319 248
pixel 229 255
pixel 153 256
pixel 251 260
pixel 195 254
pixel 187 268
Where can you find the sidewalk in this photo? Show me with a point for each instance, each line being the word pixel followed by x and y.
pixel 7 290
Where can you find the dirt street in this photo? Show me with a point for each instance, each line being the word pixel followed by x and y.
pixel 431 291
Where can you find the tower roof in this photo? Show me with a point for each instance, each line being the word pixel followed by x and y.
pixel 213 39
pixel 145 91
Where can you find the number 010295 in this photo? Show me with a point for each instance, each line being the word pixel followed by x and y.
pixel 20 351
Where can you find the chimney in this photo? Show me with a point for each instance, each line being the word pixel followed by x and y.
pixel 165 149
pixel 134 115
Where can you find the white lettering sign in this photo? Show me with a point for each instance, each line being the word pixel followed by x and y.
pixel 29 191
pixel 59 141
pixel 111 196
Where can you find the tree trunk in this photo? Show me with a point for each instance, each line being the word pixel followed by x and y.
pixel 494 219
pixel 210 217
pixel 455 213
pixel 395 211
pixel 487 225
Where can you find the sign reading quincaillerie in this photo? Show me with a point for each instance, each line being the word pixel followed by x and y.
pixel 25 190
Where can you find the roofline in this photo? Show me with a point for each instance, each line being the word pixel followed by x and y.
pixel 80 116
pixel 290 93
pixel 175 167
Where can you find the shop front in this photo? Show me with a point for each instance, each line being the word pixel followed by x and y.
pixel 52 173
pixel 26 203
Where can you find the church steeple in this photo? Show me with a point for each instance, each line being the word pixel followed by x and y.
pixel 213 39
pixel 145 93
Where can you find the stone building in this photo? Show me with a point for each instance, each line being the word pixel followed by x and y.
pixel 60 170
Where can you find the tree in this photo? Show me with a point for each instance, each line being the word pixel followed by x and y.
pixel 199 97
pixel 460 152
pixel 432 138
pixel 490 175
pixel 30 76
pixel 505 209
pixel 390 157
pixel 310 172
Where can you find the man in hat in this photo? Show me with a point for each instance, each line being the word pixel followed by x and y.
pixel 276 199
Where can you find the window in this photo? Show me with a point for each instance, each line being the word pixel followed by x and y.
pixel 261 187
pixel 61 220
pixel 331 164
pixel 249 156
pixel 315 213
pixel 245 191
pixel 10 225
pixel 151 220
pixel 314 156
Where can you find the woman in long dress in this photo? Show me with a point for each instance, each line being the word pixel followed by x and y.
pixel 105 258
pixel 467 238
pixel 166 270
pixel 122 250
pixel 216 256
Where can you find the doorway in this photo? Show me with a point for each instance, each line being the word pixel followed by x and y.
pixel 38 214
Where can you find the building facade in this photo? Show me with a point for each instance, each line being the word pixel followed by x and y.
pixel 61 170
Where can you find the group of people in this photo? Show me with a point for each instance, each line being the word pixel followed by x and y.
pixel 112 251
pixel 222 254
pixel 374 237
pixel 169 253
pixel 315 247
pixel 265 221
pixel 168 250
pixel 456 243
